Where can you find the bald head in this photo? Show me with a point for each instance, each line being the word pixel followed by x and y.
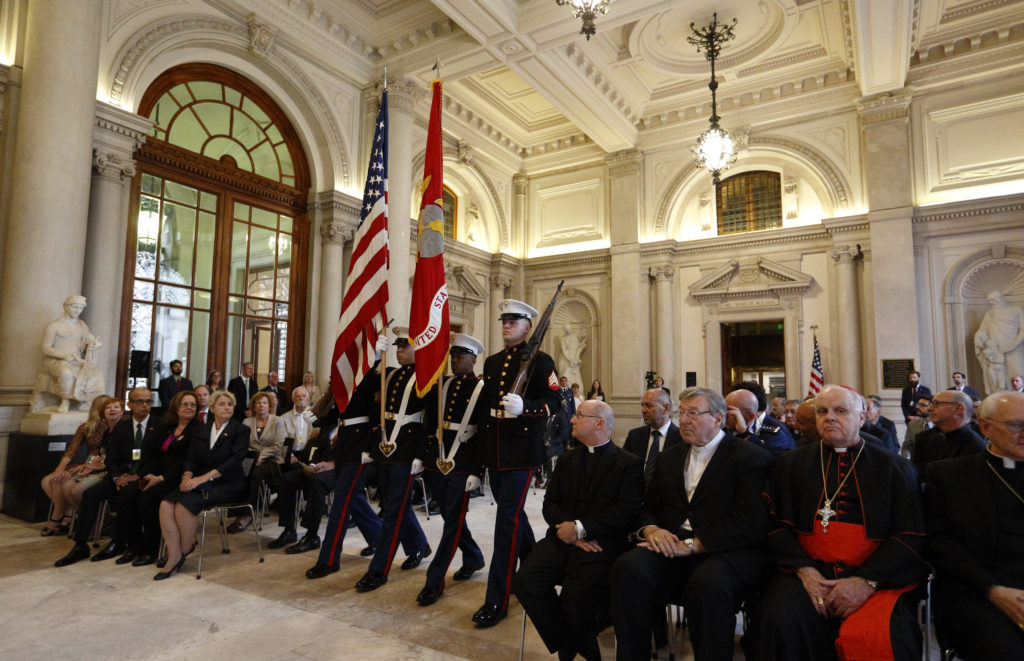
pixel 592 425
pixel 740 404
pixel 806 423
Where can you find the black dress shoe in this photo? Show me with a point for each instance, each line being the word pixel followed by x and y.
pixel 414 560
pixel 78 552
pixel 307 543
pixel 368 551
pixel 111 550
pixel 371 580
pixel 319 571
pixel 489 615
pixel 287 537
pixel 428 596
pixel 476 493
pixel 144 559
pixel 465 572
pixel 126 557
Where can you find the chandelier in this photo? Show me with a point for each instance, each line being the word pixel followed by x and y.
pixel 586 10
pixel 715 149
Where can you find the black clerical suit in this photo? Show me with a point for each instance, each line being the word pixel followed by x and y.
pixel 236 387
pixel 124 456
pixel 975 541
pixel 934 444
pixel 513 450
pixel 729 518
pixel 602 488
pixel 449 489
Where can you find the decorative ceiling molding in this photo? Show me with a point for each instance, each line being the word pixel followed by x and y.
pixel 601 84
pixel 973 9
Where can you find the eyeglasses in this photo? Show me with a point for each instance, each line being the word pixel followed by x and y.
pixel 692 414
pixel 140 401
pixel 936 402
pixel 1014 426
pixel 584 415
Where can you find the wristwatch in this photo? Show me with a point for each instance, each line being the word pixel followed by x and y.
pixel 871 584
pixel 689 544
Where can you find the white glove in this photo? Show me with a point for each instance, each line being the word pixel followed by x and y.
pixel 513 404
pixel 308 416
pixel 417 467
pixel 472 483
pixel 365 458
pixel 382 346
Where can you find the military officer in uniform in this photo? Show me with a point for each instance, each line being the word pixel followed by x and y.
pixel 453 470
pixel 397 455
pixel 513 448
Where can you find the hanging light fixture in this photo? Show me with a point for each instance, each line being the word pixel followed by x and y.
pixel 715 149
pixel 586 10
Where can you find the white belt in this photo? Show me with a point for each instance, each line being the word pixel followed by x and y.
pixel 455 426
pixel 407 418
pixel 501 413
pixel 348 422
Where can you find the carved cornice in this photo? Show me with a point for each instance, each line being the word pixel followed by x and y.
pixel 261 36
pixel 624 163
pixel 600 84
pixel 847 17
pixel 555 261
pixel 662 273
pixel 887 107
pixel 960 211
pixel 403 96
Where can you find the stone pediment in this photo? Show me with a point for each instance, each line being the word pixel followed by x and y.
pixel 750 278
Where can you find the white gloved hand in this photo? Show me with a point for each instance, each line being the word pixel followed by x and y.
pixel 513 404
pixel 472 483
pixel 382 346
pixel 308 416
pixel 417 467
pixel 365 458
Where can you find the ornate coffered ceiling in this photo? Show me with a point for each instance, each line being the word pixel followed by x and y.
pixel 520 70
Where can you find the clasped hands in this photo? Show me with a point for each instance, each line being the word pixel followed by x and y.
pixel 566 531
pixel 664 542
pixel 834 597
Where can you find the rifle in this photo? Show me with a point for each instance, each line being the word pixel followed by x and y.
pixel 533 345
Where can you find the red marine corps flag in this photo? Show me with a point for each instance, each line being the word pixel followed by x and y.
pixel 428 318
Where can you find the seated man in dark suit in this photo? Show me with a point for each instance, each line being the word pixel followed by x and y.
pixel 951 436
pixel 590 506
pixel 771 434
pixel 871 428
pixel 658 433
pixel 910 396
pixel 173 384
pixel 701 528
pixel 975 519
pixel 875 417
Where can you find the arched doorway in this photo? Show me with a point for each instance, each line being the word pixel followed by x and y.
pixel 216 256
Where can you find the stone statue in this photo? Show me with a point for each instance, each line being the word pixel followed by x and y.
pixel 998 342
pixel 69 377
pixel 573 344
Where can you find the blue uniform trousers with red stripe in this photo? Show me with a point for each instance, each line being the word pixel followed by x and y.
pixel 399 521
pixel 513 536
pixel 348 497
pixel 450 493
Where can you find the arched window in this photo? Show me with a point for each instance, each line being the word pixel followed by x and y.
pixel 749 201
pixel 217 240
pixel 451 212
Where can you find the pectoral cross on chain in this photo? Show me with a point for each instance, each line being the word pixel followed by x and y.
pixel 826 513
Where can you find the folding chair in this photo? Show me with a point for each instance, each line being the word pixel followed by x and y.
pixel 221 511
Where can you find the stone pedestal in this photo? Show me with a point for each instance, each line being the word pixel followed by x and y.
pixel 52 424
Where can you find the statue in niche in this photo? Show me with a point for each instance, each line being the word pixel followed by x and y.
pixel 69 378
pixel 998 342
pixel 573 344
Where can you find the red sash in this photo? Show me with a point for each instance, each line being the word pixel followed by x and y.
pixel 864 635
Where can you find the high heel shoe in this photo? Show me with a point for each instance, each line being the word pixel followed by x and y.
pixel 185 553
pixel 170 572
pixel 60 529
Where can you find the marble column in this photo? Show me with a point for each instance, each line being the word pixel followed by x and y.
pixel 402 99
pixel 49 205
pixel 848 308
pixel 664 326
pixel 117 134
pixel 888 174
pixel 520 188
pixel 627 282
pixel 499 285
pixel 337 222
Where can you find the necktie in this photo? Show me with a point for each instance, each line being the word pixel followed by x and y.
pixel 138 444
pixel 652 455
pixel 202 417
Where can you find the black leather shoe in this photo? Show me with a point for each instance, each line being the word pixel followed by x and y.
pixel 370 581
pixel 319 571
pixel 307 543
pixel 465 572
pixel 476 493
pixel 428 596
pixel 78 552
pixel 287 537
pixel 144 559
pixel 170 572
pixel 489 615
pixel 126 557
pixel 368 551
pixel 111 550
pixel 414 560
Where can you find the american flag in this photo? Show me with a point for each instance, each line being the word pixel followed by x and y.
pixel 363 312
pixel 817 376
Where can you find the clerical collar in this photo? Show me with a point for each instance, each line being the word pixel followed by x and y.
pixel 592 449
pixel 844 450
pixel 1008 464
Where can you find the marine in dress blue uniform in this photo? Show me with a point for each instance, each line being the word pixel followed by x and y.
pixel 513 449
pixel 457 472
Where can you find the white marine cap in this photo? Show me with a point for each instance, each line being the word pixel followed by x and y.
pixel 462 343
pixel 401 334
pixel 513 309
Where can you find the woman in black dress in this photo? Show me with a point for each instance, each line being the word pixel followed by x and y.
pixel 212 475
